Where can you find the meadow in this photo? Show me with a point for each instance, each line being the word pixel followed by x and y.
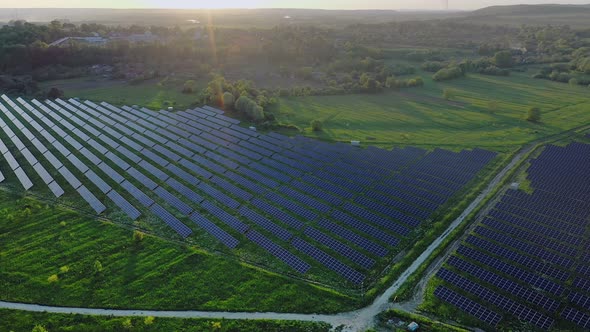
pixel 49 255
pixel 483 111
pixel 156 94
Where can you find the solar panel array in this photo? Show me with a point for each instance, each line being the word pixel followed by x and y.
pixel 529 255
pixel 348 206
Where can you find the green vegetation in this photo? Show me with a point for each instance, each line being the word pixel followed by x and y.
pixel 107 267
pixel 424 118
pixel 155 94
pixel 19 321
pixel 534 114
pixel 426 324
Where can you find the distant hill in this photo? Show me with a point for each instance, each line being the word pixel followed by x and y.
pixel 577 16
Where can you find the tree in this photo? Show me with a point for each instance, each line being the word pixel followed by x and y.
pixel 534 114
pixel 503 59
pixel 316 125
pixel 188 87
pixel 138 236
pixel 55 93
pixel 573 82
pixel 228 100
pixel 250 108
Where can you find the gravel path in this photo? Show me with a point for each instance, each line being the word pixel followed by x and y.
pixel 354 321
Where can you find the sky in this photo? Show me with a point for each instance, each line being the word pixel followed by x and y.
pixel 319 4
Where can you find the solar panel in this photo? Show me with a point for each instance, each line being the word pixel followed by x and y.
pixel 225 217
pixel 221 235
pixel 154 170
pixel 185 191
pixel 118 161
pixel 77 163
pixel 29 156
pixel 339 247
pixel 180 228
pixel 141 178
pixel 96 205
pixel 277 213
pixel 268 225
pixel 467 305
pixel 23 178
pixel 137 194
pixel 43 174
pixel 219 196
pixel 69 177
pixel 124 205
pixel 293 261
pixel 173 201
pixel 97 181
pixel 56 189
pixel 327 260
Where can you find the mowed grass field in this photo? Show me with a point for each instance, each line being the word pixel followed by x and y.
pixel 154 94
pixel 49 255
pixel 421 117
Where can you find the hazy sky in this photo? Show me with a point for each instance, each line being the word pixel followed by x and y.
pixel 326 4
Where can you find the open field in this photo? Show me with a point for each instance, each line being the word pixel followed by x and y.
pixel 18 321
pixel 156 94
pixel 420 116
pixel 38 241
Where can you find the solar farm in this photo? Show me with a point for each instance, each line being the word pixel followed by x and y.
pixel 528 259
pixel 308 204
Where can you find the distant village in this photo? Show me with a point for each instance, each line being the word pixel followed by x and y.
pixel 97 40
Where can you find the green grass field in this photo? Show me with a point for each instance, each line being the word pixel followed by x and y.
pixel 38 241
pixel 154 94
pixel 419 116
pixel 18 321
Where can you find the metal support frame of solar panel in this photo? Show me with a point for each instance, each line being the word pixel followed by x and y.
pixel 518 310
pixel 328 261
pixel 473 308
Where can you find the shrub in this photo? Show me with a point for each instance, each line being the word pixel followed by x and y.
pixel 127 324
pixel 55 93
pixel 448 94
pixel 573 82
pixel 228 100
pixel 188 87
pixel 52 278
pixel 433 66
pixel 149 320
pixel 503 59
pixel 534 114
pixel 64 269
pixel 449 73
pixel 316 125
pixel 138 236
pixel 250 108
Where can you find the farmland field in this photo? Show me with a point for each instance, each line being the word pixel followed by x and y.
pixel 421 117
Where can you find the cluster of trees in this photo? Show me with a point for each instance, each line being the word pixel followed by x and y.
pixel 448 73
pixel 241 96
pixel 564 73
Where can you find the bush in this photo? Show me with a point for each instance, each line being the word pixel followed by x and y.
pixel 138 236
pixel 52 278
pixel 573 82
pixel 97 266
pixel 449 73
pixel 250 108
pixel 149 320
pixel 316 125
pixel 55 93
pixel 39 328
pixel 188 87
pixel 494 71
pixel 448 94
pixel 64 269
pixel 534 114
pixel 228 100
pixel 433 66
pixel 503 59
